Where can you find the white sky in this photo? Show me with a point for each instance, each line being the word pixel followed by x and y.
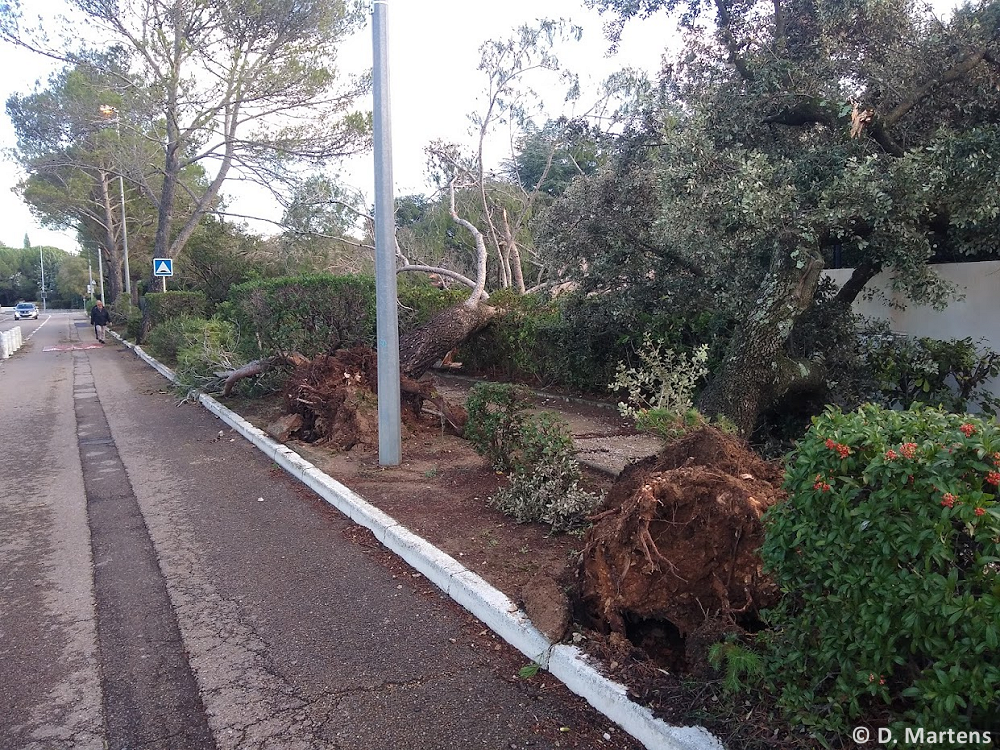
pixel 434 85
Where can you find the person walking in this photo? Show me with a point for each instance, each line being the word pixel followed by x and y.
pixel 99 318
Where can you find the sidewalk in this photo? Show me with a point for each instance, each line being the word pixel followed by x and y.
pixel 606 443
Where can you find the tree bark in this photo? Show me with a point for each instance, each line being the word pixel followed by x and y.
pixel 477 291
pixel 853 286
pixel 113 262
pixel 755 373
pixel 513 255
pixel 257 367
pixel 420 349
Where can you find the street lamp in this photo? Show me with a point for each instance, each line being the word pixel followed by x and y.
pixel 387 325
pixel 41 263
pixel 107 111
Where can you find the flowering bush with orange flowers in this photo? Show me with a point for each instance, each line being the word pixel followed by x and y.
pixel 887 555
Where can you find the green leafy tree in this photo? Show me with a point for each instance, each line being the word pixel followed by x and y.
pixel 246 89
pixel 219 256
pixel 550 157
pixel 19 275
pixel 321 222
pixel 71 279
pixel 799 133
pixel 71 158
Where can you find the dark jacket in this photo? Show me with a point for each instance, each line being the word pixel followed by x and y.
pixel 99 316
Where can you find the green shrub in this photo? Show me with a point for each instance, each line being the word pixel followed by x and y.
pixel 164 306
pixel 208 348
pixel 516 345
pixel 576 341
pixel 536 450
pixel 311 314
pixel 170 337
pixel 120 310
pixel 197 349
pixel 125 315
pixel 886 553
pixel 663 380
pixel 949 374
pixel 418 303
pixel 496 413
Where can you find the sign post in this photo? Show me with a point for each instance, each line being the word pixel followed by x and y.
pixel 163 267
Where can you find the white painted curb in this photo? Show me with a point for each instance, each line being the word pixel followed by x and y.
pixel 566 663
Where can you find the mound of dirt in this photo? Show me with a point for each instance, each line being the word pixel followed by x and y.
pixel 676 541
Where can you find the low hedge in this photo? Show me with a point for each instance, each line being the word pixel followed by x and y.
pixel 163 306
pixel 310 314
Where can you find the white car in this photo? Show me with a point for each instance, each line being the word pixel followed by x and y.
pixel 25 310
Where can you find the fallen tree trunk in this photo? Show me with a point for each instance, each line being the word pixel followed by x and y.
pixel 420 349
pixel 259 367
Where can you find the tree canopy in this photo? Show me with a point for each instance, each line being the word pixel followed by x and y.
pixel 246 89
pixel 21 276
pixel 794 135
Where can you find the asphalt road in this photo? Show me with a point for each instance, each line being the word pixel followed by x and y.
pixel 163 585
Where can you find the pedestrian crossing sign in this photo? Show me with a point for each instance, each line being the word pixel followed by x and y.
pixel 163 267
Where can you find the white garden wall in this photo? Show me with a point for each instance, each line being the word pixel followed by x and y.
pixel 977 315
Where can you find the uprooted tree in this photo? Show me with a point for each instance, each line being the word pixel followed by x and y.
pixel 497 209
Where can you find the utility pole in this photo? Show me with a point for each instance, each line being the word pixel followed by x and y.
pixel 128 280
pixel 387 327
pixel 121 190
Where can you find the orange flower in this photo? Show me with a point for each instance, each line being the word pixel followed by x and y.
pixel 842 450
pixel 968 430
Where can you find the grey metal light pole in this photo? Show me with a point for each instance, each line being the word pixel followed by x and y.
pixel 128 280
pixel 387 328
pixel 41 262
pixel 108 111
pixel 100 271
